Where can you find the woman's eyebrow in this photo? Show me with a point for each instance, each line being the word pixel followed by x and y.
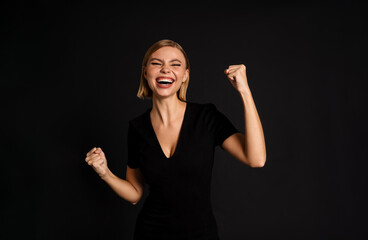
pixel 156 59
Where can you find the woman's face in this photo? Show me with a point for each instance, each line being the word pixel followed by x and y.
pixel 166 71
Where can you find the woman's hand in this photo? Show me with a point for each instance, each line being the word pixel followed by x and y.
pixel 238 78
pixel 96 158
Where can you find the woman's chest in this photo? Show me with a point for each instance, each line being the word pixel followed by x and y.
pixel 168 139
pixel 193 157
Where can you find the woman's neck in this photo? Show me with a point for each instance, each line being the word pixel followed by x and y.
pixel 167 110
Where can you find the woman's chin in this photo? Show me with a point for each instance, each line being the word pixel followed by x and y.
pixel 164 94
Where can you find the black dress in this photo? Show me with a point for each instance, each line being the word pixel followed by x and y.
pixel 178 205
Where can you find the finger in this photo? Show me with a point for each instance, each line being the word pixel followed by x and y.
pixel 231 77
pixel 233 73
pixel 234 66
pixel 95 156
pixel 234 69
pixel 94 162
pixel 231 67
pixel 102 154
pixel 92 155
pixel 99 151
pixel 91 151
pixel 237 65
pixel 230 70
pixel 97 163
pixel 92 158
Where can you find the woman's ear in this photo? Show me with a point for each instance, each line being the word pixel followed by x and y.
pixel 186 75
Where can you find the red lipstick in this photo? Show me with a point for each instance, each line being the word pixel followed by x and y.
pixel 164 82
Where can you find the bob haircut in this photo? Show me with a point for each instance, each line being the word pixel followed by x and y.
pixel 144 90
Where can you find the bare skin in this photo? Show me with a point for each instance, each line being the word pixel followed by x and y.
pixel 250 148
pixel 167 110
pixel 130 189
pixel 167 116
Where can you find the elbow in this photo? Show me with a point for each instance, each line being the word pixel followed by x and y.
pixel 258 163
pixel 135 202
pixel 136 197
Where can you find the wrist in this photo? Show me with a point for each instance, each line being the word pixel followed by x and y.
pixel 245 93
pixel 107 176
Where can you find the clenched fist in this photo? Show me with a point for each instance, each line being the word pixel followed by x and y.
pixel 96 158
pixel 238 77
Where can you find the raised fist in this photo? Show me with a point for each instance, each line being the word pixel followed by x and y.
pixel 238 77
pixel 96 158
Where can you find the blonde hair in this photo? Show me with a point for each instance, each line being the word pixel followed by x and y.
pixel 144 90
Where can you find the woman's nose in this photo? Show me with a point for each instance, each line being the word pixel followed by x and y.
pixel 165 69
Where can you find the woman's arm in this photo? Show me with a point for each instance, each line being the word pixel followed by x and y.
pixel 249 148
pixel 131 189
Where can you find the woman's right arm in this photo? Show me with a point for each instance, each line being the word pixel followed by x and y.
pixel 131 189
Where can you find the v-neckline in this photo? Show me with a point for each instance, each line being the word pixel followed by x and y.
pixel 180 133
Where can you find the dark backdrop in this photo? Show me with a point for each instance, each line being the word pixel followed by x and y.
pixel 69 78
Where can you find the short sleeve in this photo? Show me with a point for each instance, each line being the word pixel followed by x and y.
pixel 133 147
pixel 219 125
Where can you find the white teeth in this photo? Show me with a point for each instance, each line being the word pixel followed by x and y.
pixel 165 81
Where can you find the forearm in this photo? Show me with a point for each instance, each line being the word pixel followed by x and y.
pixel 122 187
pixel 255 147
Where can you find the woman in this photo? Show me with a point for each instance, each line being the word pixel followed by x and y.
pixel 171 148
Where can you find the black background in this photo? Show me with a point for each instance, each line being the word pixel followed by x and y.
pixel 69 78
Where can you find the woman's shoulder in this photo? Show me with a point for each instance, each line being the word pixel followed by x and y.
pixel 202 110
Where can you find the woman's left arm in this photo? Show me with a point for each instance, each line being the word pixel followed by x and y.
pixel 249 148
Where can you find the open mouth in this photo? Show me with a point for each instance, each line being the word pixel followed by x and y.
pixel 164 81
